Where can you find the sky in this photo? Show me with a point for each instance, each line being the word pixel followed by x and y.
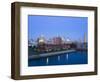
pixel 73 28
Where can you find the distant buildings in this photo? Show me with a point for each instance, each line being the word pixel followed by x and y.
pixel 57 40
pixel 56 44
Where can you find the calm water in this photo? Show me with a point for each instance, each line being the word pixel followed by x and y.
pixel 77 57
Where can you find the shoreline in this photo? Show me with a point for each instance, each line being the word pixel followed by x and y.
pixel 50 54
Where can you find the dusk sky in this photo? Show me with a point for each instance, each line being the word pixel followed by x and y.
pixel 73 28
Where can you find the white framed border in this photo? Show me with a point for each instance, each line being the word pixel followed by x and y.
pixel 25 70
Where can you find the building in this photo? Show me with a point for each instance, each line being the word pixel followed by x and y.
pixel 41 40
pixel 57 40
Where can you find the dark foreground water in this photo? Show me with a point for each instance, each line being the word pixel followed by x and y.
pixel 72 58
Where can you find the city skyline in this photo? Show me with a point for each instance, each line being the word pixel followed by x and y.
pixel 73 28
pixel 68 40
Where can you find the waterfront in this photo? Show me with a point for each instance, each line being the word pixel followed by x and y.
pixel 71 58
pixel 57 40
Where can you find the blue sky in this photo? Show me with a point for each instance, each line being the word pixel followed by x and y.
pixel 52 26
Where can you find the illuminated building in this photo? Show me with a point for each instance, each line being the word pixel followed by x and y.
pixel 41 40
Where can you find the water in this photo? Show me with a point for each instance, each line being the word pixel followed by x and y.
pixel 72 58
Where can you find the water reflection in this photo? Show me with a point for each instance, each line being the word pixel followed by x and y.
pixel 61 59
pixel 58 58
pixel 67 56
pixel 47 60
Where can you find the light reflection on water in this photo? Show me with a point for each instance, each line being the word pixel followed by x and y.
pixel 78 57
